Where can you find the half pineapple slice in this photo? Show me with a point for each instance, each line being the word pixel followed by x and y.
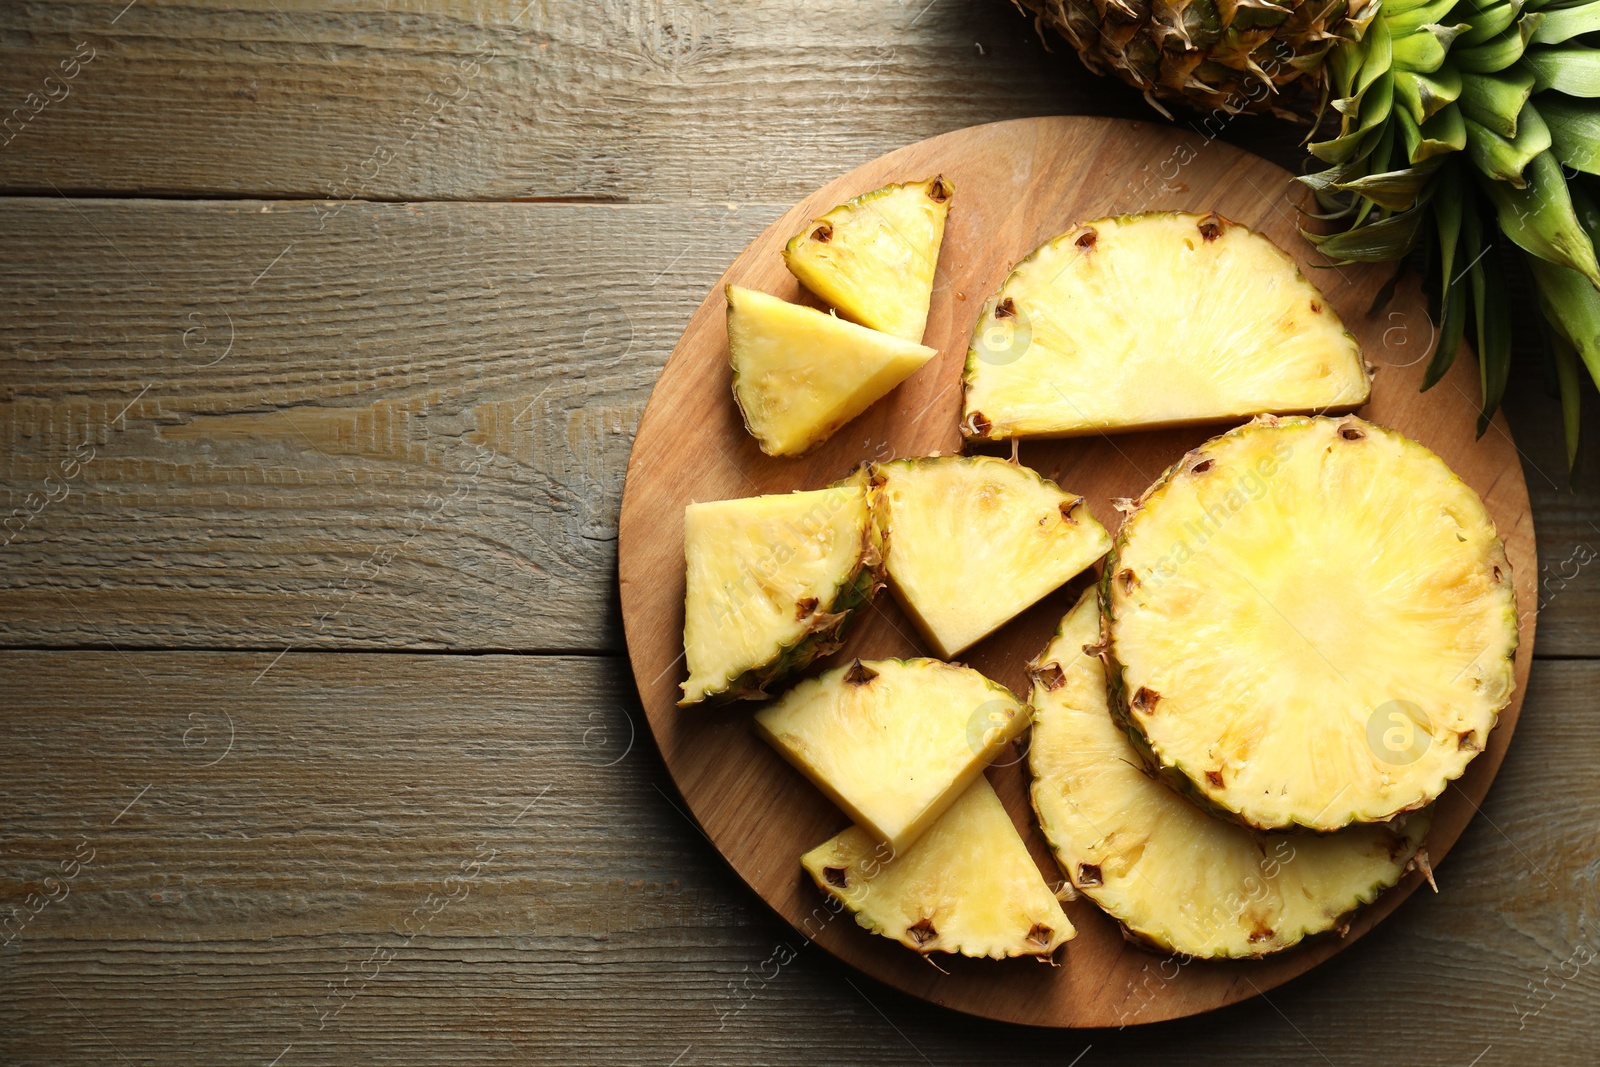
pixel 968 885
pixel 974 540
pixel 1174 876
pixel 1154 320
pixel 894 742
pixel 771 583
pixel 874 257
pixel 1311 623
pixel 799 374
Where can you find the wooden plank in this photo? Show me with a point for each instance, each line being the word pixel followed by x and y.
pixel 220 903
pixel 656 100
pixel 225 426
pixel 312 485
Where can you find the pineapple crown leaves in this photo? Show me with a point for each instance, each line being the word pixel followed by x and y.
pixel 1457 117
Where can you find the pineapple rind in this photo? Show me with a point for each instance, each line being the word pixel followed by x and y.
pixel 1173 876
pixel 878 266
pixel 1290 354
pixel 1384 787
pixel 799 375
pixel 974 541
pixel 967 886
pixel 893 742
pixel 827 627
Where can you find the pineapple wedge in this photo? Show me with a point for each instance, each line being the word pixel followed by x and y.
pixel 771 583
pixel 874 257
pixel 1174 876
pixel 799 374
pixel 1159 319
pixel 974 540
pixel 968 885
pixel 1311 622
pixel 894 742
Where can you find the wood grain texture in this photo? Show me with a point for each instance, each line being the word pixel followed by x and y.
pixel 654 100
pixel 1016 184
pixel 220 906
pixel 324 424
pixel 287 492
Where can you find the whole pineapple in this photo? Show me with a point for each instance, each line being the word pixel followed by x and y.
pixel 1453 117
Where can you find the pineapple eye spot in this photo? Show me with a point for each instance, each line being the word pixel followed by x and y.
pixel 1498 577
pixel 823 233
pixel 922 933
pixel 939 192
pixel 1145 700
pixel 1040 934
pixel 1201 467
pixel 1007 309
pixel 1088 874
pixel 1214 778
pixel 1350 433
pixel 1468 741
pixel 859 674
pixel 1210 228
pixel 1087 239
pixel 1051 676
pixel 1068 507
pixel 835 876
pixel 1316 308
pixel 978 425
pixel 805 607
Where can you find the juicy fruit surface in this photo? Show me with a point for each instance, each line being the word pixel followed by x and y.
pixel 974 540
pixel 1314 621
pixel 1154 320
pixel 968 885
pixel 894 742
pixel 800 374
pixel 874 257
pixel 1172 874
pixel 770 580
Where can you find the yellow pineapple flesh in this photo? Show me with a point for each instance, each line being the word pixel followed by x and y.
pixel 893 742
pixel 800 374
pixel 874 258
pixel 771 583
pixel 1312 623
pixel 973 541
pixel 1175 876
pixel 967 886
pixel 1151 320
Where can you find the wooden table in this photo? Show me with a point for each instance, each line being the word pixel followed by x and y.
pixel 323 337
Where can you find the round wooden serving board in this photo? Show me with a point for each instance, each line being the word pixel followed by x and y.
pixel 1017 184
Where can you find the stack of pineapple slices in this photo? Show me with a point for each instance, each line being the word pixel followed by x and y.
pixel 800 374
pixel 1305 624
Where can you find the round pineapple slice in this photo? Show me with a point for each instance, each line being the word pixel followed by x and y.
pixel 1311 622
pixel 1171 874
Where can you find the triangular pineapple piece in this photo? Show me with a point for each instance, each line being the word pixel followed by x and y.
pixel 874 257
pixel 771 583
pixel 1311 623
pixel 1173 875
pixel 968 885
pixel 894 742
pixel 974 540
pixel 800 374
pixel 1160 319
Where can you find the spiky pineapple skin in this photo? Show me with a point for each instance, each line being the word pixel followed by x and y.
pixel 1118 691
pixel 1261 59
